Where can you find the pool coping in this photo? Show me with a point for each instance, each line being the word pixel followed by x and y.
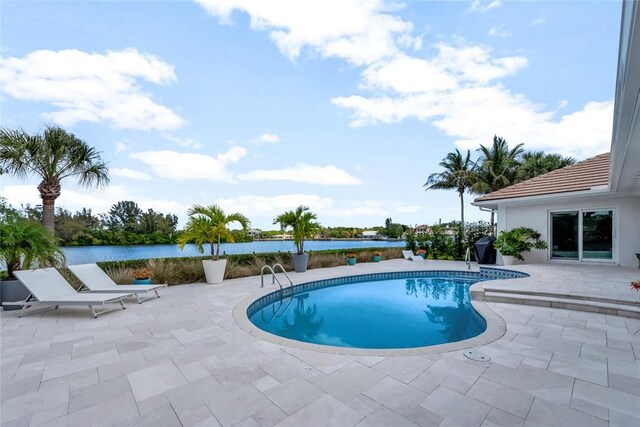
pixel 496 328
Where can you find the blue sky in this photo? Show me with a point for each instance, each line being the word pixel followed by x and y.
pixel 342 105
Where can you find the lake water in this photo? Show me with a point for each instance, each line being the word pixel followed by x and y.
pixel 87 254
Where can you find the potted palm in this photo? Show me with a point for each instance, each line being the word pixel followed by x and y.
pixel 513 243
pixel 303 225
pixel 24 244
pixel 209 224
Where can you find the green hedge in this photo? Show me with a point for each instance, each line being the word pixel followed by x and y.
pixel 242 259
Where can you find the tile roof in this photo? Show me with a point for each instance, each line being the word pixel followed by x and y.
pixel 581 176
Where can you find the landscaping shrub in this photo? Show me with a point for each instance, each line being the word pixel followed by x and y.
pixel 120 274
pixel 173 271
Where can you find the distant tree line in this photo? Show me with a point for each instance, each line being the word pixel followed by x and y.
pixel 124 224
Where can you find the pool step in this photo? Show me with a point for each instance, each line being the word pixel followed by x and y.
pixel 567 302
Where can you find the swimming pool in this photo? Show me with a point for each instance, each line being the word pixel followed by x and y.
pixel 377 311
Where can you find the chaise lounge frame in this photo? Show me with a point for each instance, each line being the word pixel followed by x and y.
pixel 410 256
pixel 95 280
pixel 48 288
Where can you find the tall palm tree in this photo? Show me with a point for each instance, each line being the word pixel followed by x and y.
pixel 534 163
pixel 303 224
pixel 459 174
pixel 53 156
pixel 209 224
pixel 496 168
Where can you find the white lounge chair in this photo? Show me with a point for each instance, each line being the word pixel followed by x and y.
pixel 409 255
pixel 94 279
pixel 48 288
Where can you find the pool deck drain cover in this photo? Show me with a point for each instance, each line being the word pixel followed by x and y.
pixel 477 356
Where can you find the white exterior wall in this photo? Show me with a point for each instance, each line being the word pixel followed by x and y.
pixel 536 216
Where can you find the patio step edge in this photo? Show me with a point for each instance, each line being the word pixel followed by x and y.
pixel 582 297
pixel 564 303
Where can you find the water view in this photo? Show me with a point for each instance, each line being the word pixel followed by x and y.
pixel 87 254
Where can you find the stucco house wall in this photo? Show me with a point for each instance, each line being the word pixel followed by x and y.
pixel 536 215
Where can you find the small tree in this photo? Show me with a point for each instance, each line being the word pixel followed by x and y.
pixel 410 241
pixel 209 224
pixel 518 240
pixel 25 243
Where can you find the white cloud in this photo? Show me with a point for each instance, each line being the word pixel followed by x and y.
pixel 191 166
pixel 183 142
pixel 308 174
pixel 484 5
pixel 404 74
pixel 130 174
pixel 475 64
pixel 458 89
pixel 271 206
pixel 463 100
pixel 92 87
pixel 270 138
pixel 474 115
pixel 120 147
pixel 359 31
pixel 499 31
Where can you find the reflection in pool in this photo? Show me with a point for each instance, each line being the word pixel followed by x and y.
pixel 383 314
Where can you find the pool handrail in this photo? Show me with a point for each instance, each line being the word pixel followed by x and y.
pixel 274 278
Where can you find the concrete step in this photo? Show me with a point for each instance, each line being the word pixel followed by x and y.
pixel 583 297
pixel 563 302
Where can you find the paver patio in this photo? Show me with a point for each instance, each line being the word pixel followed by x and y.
pixel 183 360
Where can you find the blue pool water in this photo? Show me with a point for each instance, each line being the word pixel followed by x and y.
pixel 381 314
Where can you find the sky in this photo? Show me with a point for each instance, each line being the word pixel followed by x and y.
pixel 345 106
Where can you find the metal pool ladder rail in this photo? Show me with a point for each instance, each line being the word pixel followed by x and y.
pixel 274 278
pixel 467 258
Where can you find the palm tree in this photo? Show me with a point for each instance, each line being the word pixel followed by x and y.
pixel 496 168
pixel 53 156
pixel 303 224
pixel 209 224
pixel 459 174
pixel 534 163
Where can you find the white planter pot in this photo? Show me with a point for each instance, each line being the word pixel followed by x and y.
pixel 214 270
pixel 508 260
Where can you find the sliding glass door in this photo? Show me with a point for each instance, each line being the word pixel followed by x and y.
pixel 597 235
pixel 565 239
pixel 586 235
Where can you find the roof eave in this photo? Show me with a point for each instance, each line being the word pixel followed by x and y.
pixel 493 203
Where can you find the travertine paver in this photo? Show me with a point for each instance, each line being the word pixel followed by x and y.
pixel 395 395
pixel 155 380
pixel 349 382
pixel 183 360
